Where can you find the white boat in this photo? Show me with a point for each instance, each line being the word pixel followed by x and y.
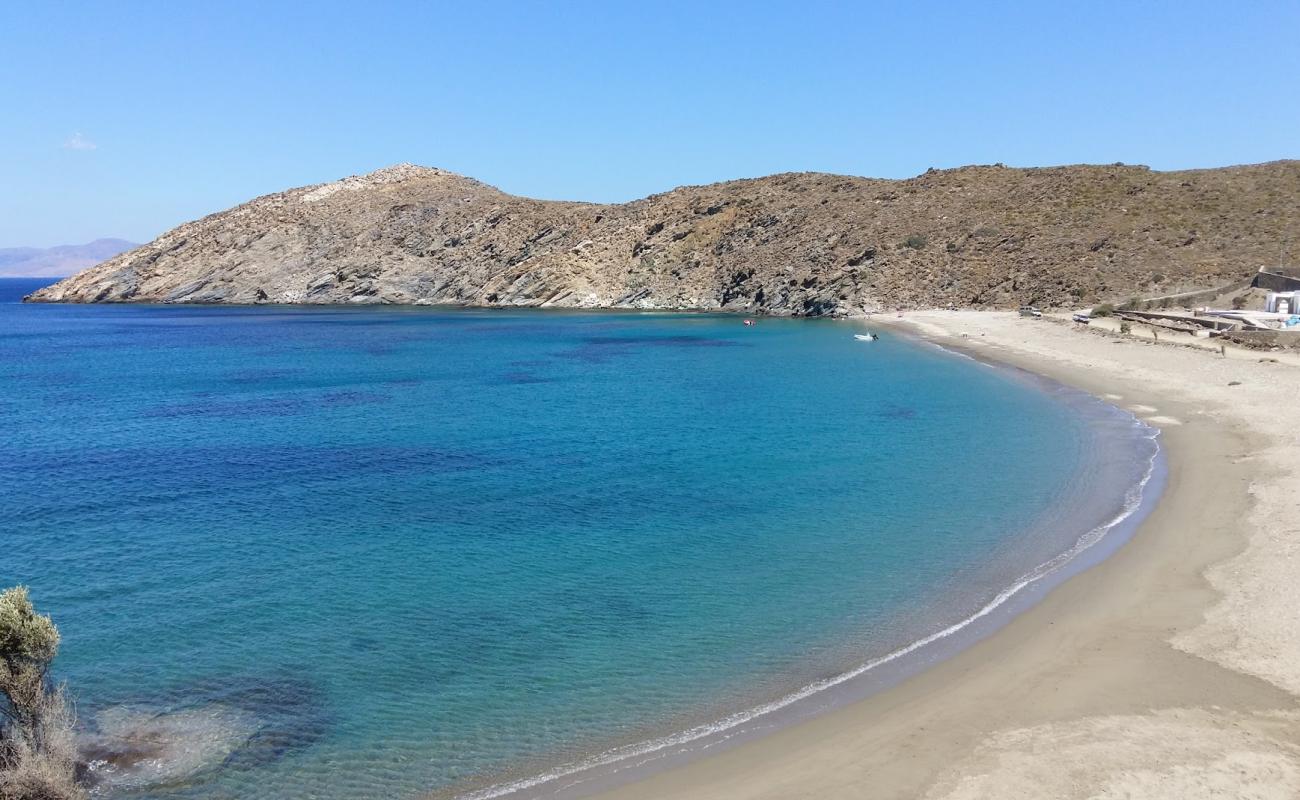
pixel 865 337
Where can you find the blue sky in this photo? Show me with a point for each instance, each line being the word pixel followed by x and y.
pixel 124 119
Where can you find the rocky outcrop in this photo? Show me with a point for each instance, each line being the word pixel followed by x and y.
pixel 798 244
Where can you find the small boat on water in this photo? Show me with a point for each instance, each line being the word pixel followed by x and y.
pixel 865 337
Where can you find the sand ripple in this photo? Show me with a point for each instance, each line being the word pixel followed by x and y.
pixel 1177 753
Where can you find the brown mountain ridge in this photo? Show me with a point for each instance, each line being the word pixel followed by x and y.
pixel 798 244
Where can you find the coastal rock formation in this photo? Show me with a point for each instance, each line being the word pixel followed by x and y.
pixel 794 244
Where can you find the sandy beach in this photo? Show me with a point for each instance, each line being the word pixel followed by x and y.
pixel 1171 670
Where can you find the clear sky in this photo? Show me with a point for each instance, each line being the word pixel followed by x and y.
pixel 124 119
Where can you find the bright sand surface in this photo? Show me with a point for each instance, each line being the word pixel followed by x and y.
pixel 1170 670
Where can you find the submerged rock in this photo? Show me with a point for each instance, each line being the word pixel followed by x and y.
pixel 191 733
pixel 132 748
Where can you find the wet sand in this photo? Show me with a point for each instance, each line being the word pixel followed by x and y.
pixel 1171 670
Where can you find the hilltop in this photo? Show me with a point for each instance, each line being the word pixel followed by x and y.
pixel 800 243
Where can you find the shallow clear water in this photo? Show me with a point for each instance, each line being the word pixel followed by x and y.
pixel 375 552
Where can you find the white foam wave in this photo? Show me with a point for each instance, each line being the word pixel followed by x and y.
pixel 1132 501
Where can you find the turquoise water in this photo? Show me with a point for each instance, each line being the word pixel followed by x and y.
pixel 339 553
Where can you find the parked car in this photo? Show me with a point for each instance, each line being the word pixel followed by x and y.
pixel 1030 311
pixel 1083 317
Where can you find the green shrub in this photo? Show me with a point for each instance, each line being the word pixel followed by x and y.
pixel 1124 327
pixel 1103 310
pixel 37 749
pixel 1239 302
pixel 916 241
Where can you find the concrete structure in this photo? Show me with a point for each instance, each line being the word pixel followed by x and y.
pixel 1283 302
pixel 1277 279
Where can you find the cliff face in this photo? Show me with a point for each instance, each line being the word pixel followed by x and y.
pixel 806 244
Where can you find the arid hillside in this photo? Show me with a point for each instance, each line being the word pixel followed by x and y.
pixel 803 244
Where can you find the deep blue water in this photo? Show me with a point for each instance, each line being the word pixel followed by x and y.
pixel 343 552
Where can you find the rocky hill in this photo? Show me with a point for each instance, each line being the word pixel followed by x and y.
pixel 805 243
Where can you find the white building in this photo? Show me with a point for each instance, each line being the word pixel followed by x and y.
pixel 1283 303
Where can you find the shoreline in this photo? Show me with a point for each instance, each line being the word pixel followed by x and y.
pixel 634 761
pixel 1103 685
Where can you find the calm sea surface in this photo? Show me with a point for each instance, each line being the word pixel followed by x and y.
pixel 376 552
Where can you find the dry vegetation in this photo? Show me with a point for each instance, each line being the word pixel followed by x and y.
pixel 802 243
pixel 37 748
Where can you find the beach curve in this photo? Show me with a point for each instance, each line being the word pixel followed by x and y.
pixel 1114 658
pixel 627 763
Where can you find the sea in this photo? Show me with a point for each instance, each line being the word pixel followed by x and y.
pixel 342 552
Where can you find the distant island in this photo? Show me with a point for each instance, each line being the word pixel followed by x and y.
pixel 804 244
pixel 56 262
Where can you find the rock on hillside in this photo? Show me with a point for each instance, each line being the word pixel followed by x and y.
pixel 805 243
